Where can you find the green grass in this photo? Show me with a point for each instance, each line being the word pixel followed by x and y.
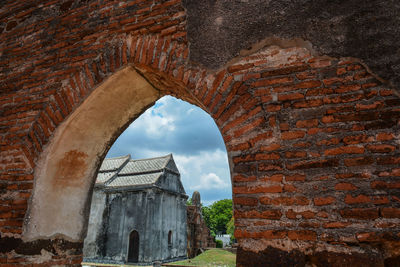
pixel 112 265
pixel 213 257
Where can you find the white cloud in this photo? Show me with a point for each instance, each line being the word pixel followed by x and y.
pixel 155 122
pixel 157 125
pixel 202 163
pixel 210 181
pixel 207 172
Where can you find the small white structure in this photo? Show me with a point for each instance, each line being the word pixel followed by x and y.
pixel 226 239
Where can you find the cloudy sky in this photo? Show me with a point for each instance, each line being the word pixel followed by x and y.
pixel 190 134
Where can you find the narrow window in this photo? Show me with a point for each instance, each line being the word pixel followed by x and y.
pixel 170 239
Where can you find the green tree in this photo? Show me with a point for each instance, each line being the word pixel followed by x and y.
pixel 230 228
pixel 189 201
pixel 206 212
pixel 218 215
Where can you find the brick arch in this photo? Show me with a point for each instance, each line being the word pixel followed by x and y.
pixel 93 120
pixel 87 72
pixel 312 144
pixel 159 65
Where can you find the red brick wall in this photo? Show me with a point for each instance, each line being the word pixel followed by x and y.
pixel 313 142
pixel 323 166
pixel 198 235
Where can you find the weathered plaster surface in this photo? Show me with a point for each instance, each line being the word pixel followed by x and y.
pixel 368 30
pixel 95 224
pixel 69 162
pixel 164 212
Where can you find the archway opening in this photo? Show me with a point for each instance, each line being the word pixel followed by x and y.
pixel 170 132
pixel 66 170
pixel 134 244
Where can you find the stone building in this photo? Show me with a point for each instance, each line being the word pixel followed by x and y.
pixel 198 234
pixel 138 212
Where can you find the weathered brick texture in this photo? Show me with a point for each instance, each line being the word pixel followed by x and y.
pixel 313 141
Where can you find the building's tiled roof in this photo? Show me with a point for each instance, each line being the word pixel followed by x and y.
pixel 124 172
pixel 134 180
pixel 145 165
pixel 113 164
pixel 103 177
pixel 110 167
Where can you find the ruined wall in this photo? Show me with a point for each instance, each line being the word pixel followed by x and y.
pixel 312 137
pixel 198 235
pixel 94 241
pixel 324 170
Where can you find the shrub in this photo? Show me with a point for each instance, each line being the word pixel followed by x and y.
pixel 219 243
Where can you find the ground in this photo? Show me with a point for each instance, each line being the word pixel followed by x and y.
pixel 215 257
pixel 212 257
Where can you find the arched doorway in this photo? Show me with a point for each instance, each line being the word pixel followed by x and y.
pixel 68 165
pixel 133 249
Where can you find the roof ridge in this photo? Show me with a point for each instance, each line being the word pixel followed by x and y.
pixel 169 159
pixel 120 157
pixel 160 157
pixel 140 173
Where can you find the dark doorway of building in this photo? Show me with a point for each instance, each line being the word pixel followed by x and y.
pixel 170 239
pixel 133 253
